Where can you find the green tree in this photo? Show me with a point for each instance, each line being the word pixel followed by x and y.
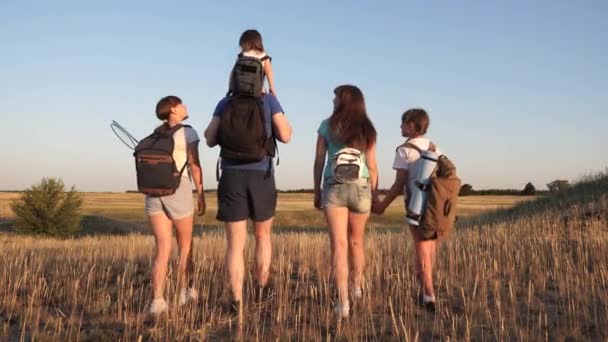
pixel 47 209
pixel 529 190
pixel 466 190
pixel 558 185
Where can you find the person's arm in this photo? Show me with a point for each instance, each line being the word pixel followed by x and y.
pixel 282 128
pixel 372 166
pixel 395 190
pixel 211 131
pixel 319 164
pixel 197 175
pixel 269 76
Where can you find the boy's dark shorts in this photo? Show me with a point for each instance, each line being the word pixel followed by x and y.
pixel 243 194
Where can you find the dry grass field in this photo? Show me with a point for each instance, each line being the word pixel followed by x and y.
pixel 124 212
pixel 537 271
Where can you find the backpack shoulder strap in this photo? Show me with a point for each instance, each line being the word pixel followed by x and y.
pixel 165 130
pixel 410 145
pixel 175 128
pixel 432 147
pixel 407 143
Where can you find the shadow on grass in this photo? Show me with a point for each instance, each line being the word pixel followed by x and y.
pixel 6 225
pixel 97 225
pixel 278 230
pixel 92 225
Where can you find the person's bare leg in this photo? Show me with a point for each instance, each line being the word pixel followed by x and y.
pixel 263 251
pixel 429 247
pixel 337 219
pixel 417 260
pixel 356 230
pixel 161 228
pixel 236 237
pixel 183 232
pixel 425 258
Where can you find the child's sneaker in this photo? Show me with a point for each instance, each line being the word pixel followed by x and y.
pixel 187 295
pixel 357 292
pixel 158 306
pixel 428 302
pixel 430 307
pixel 236 308
pixel 342 310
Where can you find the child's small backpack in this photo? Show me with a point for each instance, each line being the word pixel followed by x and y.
pixel 157 174
pixel 347 165
pixel 440 211
pixel 247 77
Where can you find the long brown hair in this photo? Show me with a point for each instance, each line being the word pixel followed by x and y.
pixel 349 123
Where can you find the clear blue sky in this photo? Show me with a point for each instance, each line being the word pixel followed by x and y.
pixel 517 91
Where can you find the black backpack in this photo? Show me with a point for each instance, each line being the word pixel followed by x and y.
pixel 247 77
pixel 242 133
pixel 157 174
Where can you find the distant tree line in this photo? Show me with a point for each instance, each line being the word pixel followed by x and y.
pixel 528 190
pixel 465 190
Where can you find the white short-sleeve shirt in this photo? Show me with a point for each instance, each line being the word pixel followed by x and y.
pixel 256 54
pixel 181 139
pixel 405 157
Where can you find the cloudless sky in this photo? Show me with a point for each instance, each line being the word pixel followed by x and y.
pixel 517 91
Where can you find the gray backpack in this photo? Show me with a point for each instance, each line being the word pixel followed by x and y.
pixel 247 76
pixel 347 165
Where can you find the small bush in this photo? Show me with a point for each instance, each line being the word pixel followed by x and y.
pixel 529 190
pixel 47 209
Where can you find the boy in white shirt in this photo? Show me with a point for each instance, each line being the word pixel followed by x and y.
pixel 414 124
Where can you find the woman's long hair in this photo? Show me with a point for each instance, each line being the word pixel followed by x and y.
pixel 349 123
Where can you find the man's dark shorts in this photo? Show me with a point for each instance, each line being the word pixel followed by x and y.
pixel 243 194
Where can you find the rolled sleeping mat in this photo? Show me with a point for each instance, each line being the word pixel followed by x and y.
pixel 418 188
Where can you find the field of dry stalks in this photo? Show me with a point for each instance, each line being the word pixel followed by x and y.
pixel 539 272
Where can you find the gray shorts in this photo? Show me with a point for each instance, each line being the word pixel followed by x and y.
pixel 357 197
pixel 175 206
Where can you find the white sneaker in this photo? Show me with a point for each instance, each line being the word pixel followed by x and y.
pixel 342 310
pixel 357 293
pixel 158 306
pixel 187 295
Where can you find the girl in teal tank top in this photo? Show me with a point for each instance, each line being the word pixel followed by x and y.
pixel 346 205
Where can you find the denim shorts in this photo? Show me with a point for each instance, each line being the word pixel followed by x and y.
pixel 175 206
pixel 357 197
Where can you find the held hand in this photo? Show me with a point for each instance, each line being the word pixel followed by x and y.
pixel 378 208
pixel 317 201
pixel 202 204
pixel 375 198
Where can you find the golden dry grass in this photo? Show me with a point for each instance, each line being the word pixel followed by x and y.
pixel 294 211
pixel 531 277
